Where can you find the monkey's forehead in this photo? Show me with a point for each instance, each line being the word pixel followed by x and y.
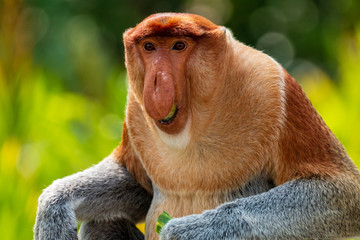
pixel 171 24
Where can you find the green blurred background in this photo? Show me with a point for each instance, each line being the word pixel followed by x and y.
pixel 63 83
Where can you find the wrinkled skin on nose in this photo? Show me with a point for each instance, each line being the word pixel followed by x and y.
pixel 159 94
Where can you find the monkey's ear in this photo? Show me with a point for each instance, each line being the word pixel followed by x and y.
pixel 226 31
pixel 127 35
pixel 125 155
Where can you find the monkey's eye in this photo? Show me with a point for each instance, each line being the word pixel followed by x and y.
pixel 179 46
pixel 149 47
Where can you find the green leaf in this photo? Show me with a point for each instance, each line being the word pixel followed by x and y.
pixel 162 220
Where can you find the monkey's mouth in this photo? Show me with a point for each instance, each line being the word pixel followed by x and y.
pixel 170 117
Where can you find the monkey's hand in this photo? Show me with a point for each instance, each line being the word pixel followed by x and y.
pixel 299 209
pixel 198 226
pixel 104 192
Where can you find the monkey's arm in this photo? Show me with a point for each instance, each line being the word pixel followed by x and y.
pixel 103 192
pixel 299 209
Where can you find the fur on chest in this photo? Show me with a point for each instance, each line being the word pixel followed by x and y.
pixel 179 204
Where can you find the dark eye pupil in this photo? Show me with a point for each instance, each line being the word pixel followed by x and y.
pixel 179 46
pixel 149 47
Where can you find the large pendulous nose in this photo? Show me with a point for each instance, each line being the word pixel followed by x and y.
pixel 159 94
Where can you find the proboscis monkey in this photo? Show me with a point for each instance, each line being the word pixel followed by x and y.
pixel 221 137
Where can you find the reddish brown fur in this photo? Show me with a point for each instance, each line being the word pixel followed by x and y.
pixel 125 155
pixel 308 146
pixel 172 24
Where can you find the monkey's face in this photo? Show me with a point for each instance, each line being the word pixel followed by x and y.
pixel 157 59
pixel 165 81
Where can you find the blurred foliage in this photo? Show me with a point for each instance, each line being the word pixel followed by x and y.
pixel 63 83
